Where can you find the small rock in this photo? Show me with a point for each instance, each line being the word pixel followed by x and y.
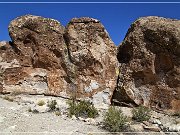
pixel 174 128
pixel 146 123
pixel 90 121
pixel 41 109
pixel 177 121
pixel 136 128
pixel 81 119
pixel 87 120
pixel 156 121
pixel 64 117
pixel 42 127
pixel 73 117
pixel 152 128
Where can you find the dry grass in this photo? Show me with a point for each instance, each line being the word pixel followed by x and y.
pixel 41 103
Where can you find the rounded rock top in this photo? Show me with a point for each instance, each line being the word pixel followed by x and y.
pixel 84 20
pixel 32 21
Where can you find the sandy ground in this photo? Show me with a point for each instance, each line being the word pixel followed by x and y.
pixel 15 118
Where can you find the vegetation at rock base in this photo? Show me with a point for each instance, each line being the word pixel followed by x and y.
pixel 35 111
pixel 177 114
pixel 32 110
pixel 52 105
pixel 29 109
pixel 141 113
pixel 114 120
pixel 41 102
pixel 82 108
pixel 57 113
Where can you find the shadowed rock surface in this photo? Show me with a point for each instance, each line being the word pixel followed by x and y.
pixel 46 58
pixel 149 60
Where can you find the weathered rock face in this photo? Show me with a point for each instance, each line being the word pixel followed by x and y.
pixel 94 57
pixel 38 39
pixel 46 58
pixel 149 60
pixel 38 49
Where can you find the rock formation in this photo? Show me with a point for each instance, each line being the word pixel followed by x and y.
pixel 94 56
pixel 46 58
pixel 81 61
pixel 149 58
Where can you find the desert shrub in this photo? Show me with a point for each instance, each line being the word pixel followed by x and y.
pixel 10 99
pixel 41 102
pixel 52 105
pixel 29 109
pixel 57 113
pixel 32 110
pixel 82 108
pixel 114 120
pixel 35 111
pixel 141 113
pixel 177 114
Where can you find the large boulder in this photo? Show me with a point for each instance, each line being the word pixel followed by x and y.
pixel 39 50
pixel 38 39
pixel 94 57
pixel 46 58
pixel 149 60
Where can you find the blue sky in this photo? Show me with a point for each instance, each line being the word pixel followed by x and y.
pixel 115 17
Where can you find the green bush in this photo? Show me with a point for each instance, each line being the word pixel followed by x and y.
pixel 82 108
pixel 141 113
pixel 52 105
pixel 41 102
pixel 114 120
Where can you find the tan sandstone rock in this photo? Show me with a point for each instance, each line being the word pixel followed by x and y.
pixel 39 50
pixel 46 58
pixel 94 57
pixel 149 60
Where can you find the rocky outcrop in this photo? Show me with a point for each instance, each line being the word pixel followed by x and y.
pixel 94 57
pixel 149 60
pixel 46 58
pixel 39 51
pixel 39 40
pixel 80 61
